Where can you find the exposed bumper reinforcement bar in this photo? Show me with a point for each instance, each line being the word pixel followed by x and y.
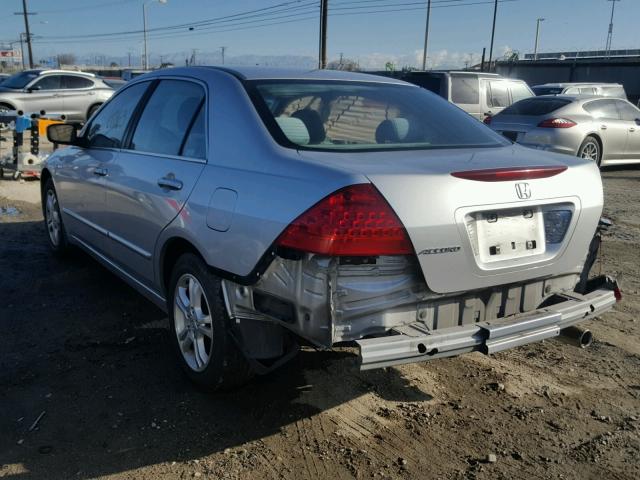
pixel 413 343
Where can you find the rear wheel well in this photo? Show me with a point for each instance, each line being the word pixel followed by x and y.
pixel 173 250
pixel 92 109
pixel 7 105
pixel 599 140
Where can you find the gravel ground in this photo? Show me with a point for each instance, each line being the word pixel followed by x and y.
pixel 88 357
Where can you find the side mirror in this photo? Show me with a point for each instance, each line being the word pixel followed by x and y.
pixel 63 134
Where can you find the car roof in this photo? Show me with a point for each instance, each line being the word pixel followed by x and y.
pixel 575 84
pixel 72 72
pixel 575 98
pixel 267 73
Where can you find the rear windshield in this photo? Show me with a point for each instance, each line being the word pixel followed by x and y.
pixel 547 90
pixel 335 115
pixel 535 106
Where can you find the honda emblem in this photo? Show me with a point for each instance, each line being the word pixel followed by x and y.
pixel 523 190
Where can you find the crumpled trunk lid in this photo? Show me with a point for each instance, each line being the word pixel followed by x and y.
pixel 474 234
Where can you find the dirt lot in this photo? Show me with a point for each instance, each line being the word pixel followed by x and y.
pixel 90 353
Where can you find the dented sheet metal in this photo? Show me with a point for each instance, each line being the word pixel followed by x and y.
pixel 326 301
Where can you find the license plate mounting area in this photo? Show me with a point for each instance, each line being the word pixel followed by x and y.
pixel 508 234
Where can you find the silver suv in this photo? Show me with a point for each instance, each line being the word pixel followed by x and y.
pixel 479 94
pixel 614 90
pixel 74 94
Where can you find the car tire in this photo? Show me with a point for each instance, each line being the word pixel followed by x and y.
pixel 200 328
pixel 56 233
pixel 93 110
pixel 590 149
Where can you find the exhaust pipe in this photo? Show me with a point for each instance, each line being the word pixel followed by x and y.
pixel 576 336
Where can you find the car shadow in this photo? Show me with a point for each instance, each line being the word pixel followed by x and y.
pixel 93 355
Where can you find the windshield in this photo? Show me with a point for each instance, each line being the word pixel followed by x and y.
pixel 19 80
pixel 337 115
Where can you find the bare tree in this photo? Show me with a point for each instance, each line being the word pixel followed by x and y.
pixel 66 59
pixel 344 64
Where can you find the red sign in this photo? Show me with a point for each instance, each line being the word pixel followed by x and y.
pixel 9 54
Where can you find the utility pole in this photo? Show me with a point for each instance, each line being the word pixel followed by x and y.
pixel 426 37
pixel 610 34
pixel 222 50
pixel 493 31
pixel 25 14
pixel 322 60
pixel 535 48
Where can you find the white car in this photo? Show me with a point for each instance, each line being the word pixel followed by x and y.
pixel 77 95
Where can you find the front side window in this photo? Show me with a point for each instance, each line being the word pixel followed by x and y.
pixel 627 111
pixel 50 82
pixel 72 81
pixel 497 94
pixel 107 128
pixel 605 109
pixel 335 115
pixel 465 89
pixel 168 117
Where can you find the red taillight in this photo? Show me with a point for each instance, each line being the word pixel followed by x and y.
pixel 511 173
pixel 487 120
pixel 354 221
pixel 556 123
pixel 618 294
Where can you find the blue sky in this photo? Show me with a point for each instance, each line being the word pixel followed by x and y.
pixel 373 39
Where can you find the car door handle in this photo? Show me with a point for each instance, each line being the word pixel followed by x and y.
pixel 632 129
pixel 170 183
pixel 102 172
pixel 603 127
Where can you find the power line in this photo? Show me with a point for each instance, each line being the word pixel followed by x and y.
pixel 220 24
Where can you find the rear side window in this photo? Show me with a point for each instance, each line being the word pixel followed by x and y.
pixel 107 127
pixel 587 91
pixel 465 89
pixel 497 94
pixel 603 109
pixel 69 81
pixel 168 117
pixel 617 92
pixel 534 106
pixel 519 91
pixel 195 143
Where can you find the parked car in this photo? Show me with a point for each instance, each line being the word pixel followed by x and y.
pixel 601 89
pixel 130 74
pixel 75 94
pixel 3 77
pixel 480 94
pixel 258 207
pixel 603 130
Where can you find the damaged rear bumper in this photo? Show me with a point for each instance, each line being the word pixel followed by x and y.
pixel 415 343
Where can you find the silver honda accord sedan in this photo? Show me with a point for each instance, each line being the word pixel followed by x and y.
pixel 263 209
pixel 603 130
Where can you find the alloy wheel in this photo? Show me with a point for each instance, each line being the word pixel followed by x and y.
pixel 52 217
pixel 590 152
pixel 193 323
